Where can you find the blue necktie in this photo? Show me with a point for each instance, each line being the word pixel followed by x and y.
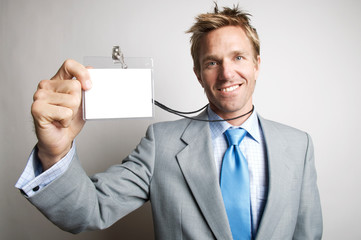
pixel 235 186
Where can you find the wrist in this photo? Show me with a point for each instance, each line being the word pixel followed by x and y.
pixel 49 158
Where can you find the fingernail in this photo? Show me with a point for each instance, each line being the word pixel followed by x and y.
pixel 88 84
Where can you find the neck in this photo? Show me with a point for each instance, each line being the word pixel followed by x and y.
pixel 236 118
pixel 241 120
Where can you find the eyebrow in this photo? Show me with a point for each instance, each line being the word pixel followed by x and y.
pixel 233 53
pixel 210 57
pixel 239 52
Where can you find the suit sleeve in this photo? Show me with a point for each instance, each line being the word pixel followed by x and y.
pixel 309 220
pixel 75 202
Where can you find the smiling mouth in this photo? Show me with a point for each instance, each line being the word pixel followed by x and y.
pixel 229 89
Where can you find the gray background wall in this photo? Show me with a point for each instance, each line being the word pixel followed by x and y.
pixel 309 79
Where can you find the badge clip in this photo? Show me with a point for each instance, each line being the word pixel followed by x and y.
pixel 118 57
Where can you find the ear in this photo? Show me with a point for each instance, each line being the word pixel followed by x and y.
pixel 198 75
pixel 257 66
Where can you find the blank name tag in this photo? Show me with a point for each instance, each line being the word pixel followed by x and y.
pixel 119 93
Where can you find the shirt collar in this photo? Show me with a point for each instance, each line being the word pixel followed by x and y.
pixel 251 125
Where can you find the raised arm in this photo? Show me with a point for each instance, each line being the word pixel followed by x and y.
pixel 57 111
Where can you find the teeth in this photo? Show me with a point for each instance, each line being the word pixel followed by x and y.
pixel 230 89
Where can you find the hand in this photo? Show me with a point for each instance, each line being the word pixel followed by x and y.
pixel 57 111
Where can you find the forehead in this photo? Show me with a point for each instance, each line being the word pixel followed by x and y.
pixel 225 39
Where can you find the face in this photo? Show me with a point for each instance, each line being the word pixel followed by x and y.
pixel 228 71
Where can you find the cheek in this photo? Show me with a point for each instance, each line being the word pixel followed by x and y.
pixel 209 78
pixel 203 81
pixel 250 76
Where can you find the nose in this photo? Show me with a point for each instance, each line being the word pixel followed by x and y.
pixel 226 71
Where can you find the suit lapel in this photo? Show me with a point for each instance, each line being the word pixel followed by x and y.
pixel 277 156
pixel 196 161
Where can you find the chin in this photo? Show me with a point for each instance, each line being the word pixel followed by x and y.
pixel 226 109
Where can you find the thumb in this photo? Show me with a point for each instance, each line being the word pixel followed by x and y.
pixel 72 69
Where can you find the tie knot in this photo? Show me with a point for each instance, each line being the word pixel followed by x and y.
pixel 235 135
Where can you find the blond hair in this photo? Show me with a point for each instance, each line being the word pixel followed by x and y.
pixel 217 19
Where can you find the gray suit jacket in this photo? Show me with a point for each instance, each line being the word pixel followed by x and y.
pixel 173 167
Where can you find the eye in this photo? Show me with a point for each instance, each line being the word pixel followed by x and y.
pixel 211 63
pixel 238 58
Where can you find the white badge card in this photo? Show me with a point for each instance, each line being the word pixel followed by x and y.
pixel 119 93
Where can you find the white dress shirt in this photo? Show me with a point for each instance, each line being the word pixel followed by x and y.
pixel 33 178
pixel 253 148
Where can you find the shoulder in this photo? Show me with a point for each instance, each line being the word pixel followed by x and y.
pixel 184 124
pixel 171 126
pixel 281 136
pixel 266 123
pixel 182 128
pixel 168 129
pixel 289 133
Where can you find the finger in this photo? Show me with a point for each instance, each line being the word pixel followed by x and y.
pixel 58 99
pixel 61 86
pixel 44 114
pixel 71 69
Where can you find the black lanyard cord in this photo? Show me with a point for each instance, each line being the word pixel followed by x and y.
pixel 183 114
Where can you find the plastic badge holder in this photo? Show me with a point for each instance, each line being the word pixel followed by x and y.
pixel 121 89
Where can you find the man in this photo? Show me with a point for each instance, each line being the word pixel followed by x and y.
pixel 179 165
